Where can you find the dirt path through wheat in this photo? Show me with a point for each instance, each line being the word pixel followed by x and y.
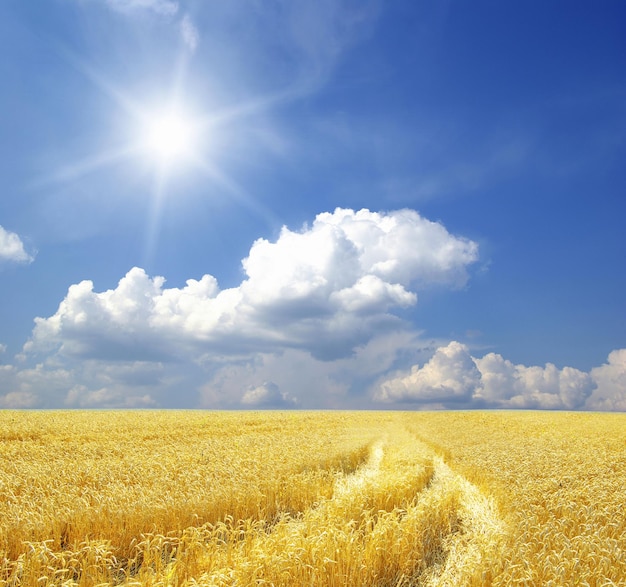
pixel 403 518
pixel 480 533
pixel 349 484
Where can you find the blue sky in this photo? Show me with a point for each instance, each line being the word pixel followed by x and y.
pixel 371 204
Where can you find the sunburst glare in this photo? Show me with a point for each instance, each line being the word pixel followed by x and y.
pixel 169 136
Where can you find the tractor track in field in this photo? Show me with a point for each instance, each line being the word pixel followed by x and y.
pixel 478 531
pixel 479 536
pixel 366 472
pixel 441 528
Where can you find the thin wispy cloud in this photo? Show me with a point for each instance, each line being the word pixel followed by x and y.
pixel 189 32
pixel 162 7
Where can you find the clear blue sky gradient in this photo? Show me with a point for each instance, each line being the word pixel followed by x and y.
pixel 503 121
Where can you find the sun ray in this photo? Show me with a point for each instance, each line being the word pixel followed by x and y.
pixel 154 220
pixel 238 192
pixel 248 108
pixel 79 169
pixel 169 138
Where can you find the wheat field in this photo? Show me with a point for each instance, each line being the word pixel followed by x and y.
pixel 392 499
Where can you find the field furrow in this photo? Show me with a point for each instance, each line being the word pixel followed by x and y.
pixel 479 534
pixel 403 518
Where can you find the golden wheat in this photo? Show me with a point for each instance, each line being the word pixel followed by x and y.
pixel 560 480
pixel 311 498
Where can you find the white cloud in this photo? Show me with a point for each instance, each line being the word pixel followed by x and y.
pixel 326 289
pixel 189 33
pixel 517 386
pixel 86 383
pixel 267 395
pixel 320 297
pixel 105 397
pixel 28 387
pixel 316 384
pixel 610 379
pixel 162 7
pixel 319 33
pixel 117 383
pixel 450 375
pixel 16 400
pixel 453 375
pixel 12 248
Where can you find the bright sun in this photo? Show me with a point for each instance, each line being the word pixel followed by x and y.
pixel 169 137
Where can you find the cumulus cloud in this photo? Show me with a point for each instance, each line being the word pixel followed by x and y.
pixel 267 395
pixel 325 289
pixel 22 388
pixel 87 384
pixel 319 295
pixel 517 386
pixel 452 375
pixel 16 400
pixel 12 248
pixel 82 397
pixel 610 379
pixel 129 384
pixel 316 384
